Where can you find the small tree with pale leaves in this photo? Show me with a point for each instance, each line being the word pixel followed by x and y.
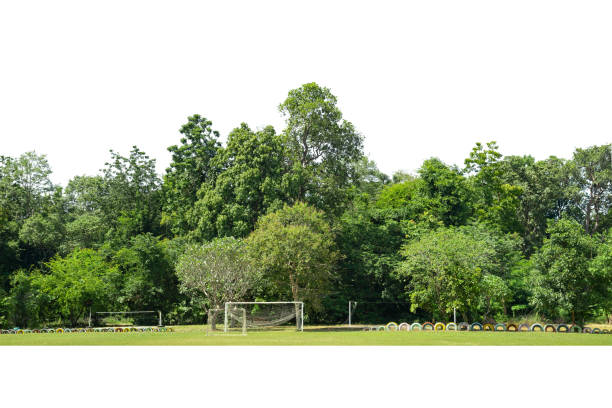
pixel 218 271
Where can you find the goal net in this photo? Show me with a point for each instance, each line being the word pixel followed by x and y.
pixel 235 323
pixel 127 318
pixel 267 315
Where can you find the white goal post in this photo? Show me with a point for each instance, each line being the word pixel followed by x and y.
pixel 260 315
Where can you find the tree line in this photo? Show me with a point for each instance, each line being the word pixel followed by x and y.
pixel 303 214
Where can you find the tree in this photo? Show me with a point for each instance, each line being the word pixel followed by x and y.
pixel 76 283
pixel 563 279
pixel 193 163
pixel 593 174
pixel 322 148
pixel 24 184
pixel 294 249
pixel 446 192
pixel 495 202
pixel 218 271
pixel 601 269
pixel 444 270
pixel 546 193
pixel 248 186
pixel 148 280
pixel 131 196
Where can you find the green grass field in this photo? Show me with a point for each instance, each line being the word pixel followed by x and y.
pixel 196 336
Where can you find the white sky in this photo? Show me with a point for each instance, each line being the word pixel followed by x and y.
pixel 417 78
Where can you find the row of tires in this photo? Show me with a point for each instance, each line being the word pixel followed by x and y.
pixel 61 330
pixel 464 326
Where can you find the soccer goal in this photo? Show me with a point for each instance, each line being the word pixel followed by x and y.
pixel 128 318
pixel 267 315
pixel 235 323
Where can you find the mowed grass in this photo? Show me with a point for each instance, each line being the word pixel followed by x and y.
pixel 196 336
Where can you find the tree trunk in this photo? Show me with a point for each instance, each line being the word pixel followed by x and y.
pixel 213 324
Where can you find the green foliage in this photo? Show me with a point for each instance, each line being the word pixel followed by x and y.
pixel 504 235
pixel 446 193
pixel 322 149
pixel 443 270
pixel 564 278
pixel 146 279
pixel 546 193
pixel 248 186
pixel 193 163
pixel 76 283
pixel 496 202
pixel 218 271
pixel 592 169
pixel 293 248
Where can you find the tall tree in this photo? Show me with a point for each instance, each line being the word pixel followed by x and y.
pixel 248 186
pixel 192 164
pixel 593 173
pixel 131 195
pixel 546 193
pixel 496 202
pixel 322 148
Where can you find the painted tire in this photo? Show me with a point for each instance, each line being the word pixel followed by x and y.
pixel 574 328
pixel 587 330
pixel 67 331
pixel 428 326
pixel 391 326
pixel 118 330
pixel 523 326
pixel 171 330
pixel 451 326
pixel 36 331
pixel 60 331
pixel 416 326
pixel 82 330
pixel 378 328
pixel 27 331
pixel 605 331
pixel 11 331
pixel 499 327
pixel 551 327
pixel 563 328
pixel 475 326
pixel 488 327
pixel 404 327
pixel 20 331
pixel 97 330
pixel 464 326
pixel 439 326
pixel 536 327
pixel 512 327
pixel 596 330
pixel 140 330
pixel 51 331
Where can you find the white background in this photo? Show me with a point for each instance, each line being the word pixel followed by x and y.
pixel 417 78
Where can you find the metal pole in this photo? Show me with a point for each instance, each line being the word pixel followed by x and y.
pixel 160 317
pixel 302 319
pixel 455 315
pixel 225 318
pixel 349 313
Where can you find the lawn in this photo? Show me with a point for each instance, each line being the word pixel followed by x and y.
pixel 315 336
